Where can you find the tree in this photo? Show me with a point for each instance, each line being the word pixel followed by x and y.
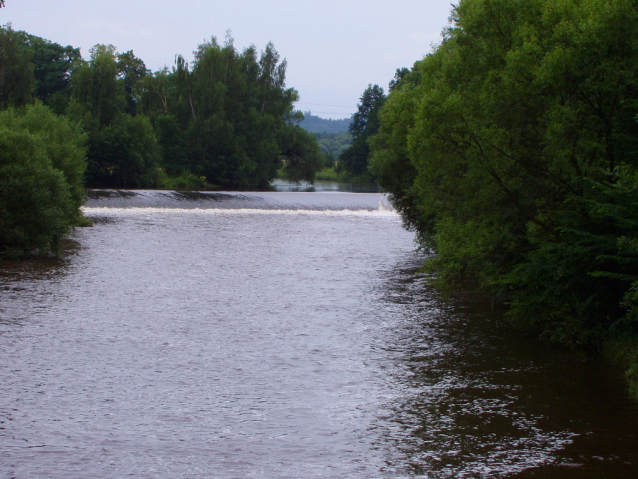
pixel 95 85
pixel 130 71
pixel 302 157
pixel 172 143
pixel 16 69
pixel 225 116
pixel 364 124
pixel 41 175
pixel 234 108
pixel 53 65
pixel 64 144
pixel 124 154
pixel 490 146
pixel 390 160
pixel 157 93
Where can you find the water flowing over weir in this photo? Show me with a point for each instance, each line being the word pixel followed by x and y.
pixel 270 201
pixel 280 335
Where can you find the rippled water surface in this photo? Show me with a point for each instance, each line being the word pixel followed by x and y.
pixel 280 335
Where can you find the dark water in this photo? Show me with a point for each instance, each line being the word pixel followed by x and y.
pixel 280 335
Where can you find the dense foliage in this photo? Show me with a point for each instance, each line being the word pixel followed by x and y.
pixel 511 150
pixel 16 69
pixel 224 120
pixel 231 115
pixel 364 125
pixel 42 162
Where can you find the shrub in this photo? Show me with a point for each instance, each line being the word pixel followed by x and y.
pixel 41 180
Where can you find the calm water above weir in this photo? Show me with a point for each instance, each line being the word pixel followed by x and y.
pixel 280 335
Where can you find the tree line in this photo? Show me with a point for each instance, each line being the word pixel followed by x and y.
pixel 224 120
pixel 511 150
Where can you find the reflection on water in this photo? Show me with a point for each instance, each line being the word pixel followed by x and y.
pixel 479 401
pixel 17 276
pixel 280 335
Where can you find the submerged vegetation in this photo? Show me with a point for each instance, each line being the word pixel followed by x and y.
pixel 511 150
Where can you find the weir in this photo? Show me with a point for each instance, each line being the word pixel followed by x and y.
pixel 302 201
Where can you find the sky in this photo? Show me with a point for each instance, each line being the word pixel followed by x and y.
pixel 334 48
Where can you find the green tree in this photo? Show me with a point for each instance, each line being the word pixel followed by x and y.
pixel 95 85
pixel 390 160
pixel 16 69
pixel 234 107
pixel 333 144
pixel 123 149
pixel 41 174
pixel 224 116
pixel 64 144
pixel 172 143
pixel 301 154
pixel 588 273
pixel 490 145
pixel 124 154
pixel 364 125
pixel 34 198
pixel 130 71
pixel 157 94
pixel 53 65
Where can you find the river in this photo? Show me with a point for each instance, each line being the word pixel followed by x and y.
pixel 281 335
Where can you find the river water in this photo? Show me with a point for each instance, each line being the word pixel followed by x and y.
pixel 280 335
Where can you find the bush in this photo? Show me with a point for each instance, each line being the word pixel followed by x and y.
pixel 63 141
pixel 36 206
pixel 41 176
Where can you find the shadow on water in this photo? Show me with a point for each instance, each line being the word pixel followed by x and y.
pixel 481 401
pixel 14 274
pixel 42 268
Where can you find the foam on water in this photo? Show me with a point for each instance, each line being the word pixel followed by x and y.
pixel 247 201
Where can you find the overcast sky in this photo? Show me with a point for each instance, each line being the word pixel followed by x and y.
pixel 334 48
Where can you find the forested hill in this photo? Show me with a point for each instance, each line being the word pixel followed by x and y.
pixel 315 124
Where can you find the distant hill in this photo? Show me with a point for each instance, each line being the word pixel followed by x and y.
pixel 315 124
